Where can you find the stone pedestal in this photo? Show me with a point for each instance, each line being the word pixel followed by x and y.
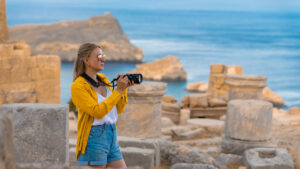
pixel 245 86
pixel 249 120
pixel 6 141
pixel 142 116
pixel 248 125
pixel 41 134
pixel 262 158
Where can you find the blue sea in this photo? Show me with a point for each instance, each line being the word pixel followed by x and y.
pixel 262 42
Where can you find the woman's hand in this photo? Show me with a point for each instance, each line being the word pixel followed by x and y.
pixel 123 82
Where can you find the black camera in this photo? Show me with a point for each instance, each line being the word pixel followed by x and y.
pixel 136 78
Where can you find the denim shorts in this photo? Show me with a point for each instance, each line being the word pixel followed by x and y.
pixel 102 146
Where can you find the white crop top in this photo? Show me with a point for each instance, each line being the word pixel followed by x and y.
pixel 111 117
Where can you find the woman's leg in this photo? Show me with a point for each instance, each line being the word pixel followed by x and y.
pixel 97 166
pixel 117 164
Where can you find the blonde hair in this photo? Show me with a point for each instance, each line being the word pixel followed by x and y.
pixel 84 51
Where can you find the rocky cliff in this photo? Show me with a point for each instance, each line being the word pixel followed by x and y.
pixel 166 69
pixel 64 38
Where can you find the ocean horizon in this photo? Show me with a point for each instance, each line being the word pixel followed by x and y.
pixel 262 42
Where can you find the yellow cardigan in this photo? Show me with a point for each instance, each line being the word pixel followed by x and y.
pixel 85 99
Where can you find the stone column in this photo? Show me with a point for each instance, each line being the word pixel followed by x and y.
pixel 248 125
pixel 142 116
pixel 41 134
pixel 245 86
pixel 3 22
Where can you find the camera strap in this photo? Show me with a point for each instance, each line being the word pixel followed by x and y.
pixel 99 83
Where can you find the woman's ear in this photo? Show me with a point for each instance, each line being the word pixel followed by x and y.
pixel 85 60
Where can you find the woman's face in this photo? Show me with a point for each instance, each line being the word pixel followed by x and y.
pixel 93 62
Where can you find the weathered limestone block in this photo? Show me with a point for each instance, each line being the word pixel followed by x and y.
pixel 174 116
pixel 209 112
pixel 39 74
pixel 185 102
pixel 192 166
pixel 6 141
pixel 3 22
pixel 48 61
pixel 17 92
pixel 185 115
pixel 198 100
pixel 249 120
pixel 212 126
pixel 6 50
pixel 23 47
pixel 233 146
pixel 172 153
pixel 217 68
pixel 40 134
pixel 166 122
pixel 5 76
pixel 142 115
pixel 217 80
pixel 21 75
pixel 263 158
pixel 169 99
pixel 143 158
pixel 176 130
pixel 203 142
pixel 48 91
pixel 233 69
pixel 72 156
pixel 191 134
pixel 225 161
pixel 170 107
pixel 214 102
pixel 211 150
pixel 151 144
pixel 245 86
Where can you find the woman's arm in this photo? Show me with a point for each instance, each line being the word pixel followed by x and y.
pixel 85 103
pixel 122 102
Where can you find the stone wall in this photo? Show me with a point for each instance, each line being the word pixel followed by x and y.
pixel 3 22
pixel 218 72
pixel 28 79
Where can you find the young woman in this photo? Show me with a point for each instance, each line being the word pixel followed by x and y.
pixel 98 108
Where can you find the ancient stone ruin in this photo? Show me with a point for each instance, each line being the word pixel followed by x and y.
pixel 141 118
pixel 3 22
pixel 39 133
pixel 248 125
pixel 28 79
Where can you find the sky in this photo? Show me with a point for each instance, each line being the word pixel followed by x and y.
pixel 235 5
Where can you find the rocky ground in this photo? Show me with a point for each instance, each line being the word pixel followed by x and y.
pixel 199 141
